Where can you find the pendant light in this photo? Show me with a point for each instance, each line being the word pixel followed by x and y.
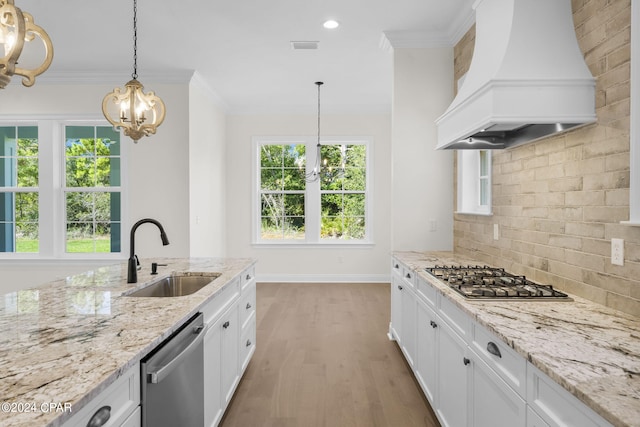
pixel 136 112
pixel 16 28
pixel 314 174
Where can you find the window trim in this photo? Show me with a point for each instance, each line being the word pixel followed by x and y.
pixel 51 164
pixel 634 119
pixel 308 242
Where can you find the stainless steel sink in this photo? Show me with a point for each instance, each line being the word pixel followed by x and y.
pixel 176 285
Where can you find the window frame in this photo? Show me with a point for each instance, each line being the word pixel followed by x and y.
pixel 51 188
pixel 312 193
pixel 634 122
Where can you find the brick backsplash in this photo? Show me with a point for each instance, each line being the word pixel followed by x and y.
pixel 559 201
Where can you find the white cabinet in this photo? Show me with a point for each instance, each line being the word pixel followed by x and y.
pixel 491 401
pixel 229 343
pixel 469 375
pixel 116 405
pixel 452 377
pixel 426 335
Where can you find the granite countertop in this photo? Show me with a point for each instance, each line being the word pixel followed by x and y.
pixel 590 350
pixel 65 341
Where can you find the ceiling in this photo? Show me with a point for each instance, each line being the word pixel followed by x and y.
pixel 241 48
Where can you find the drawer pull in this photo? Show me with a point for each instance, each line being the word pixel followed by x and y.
pixel 465 361
pixel 399 287
pixel 248 343
pixel 433 324
pixel 248 305
pixel 101 417
pixel 225 324
pixel 396 266
pixel 493 349
pixel 408 276
pixel 248 277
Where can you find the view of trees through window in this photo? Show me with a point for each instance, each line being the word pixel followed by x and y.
pixel 91 189
pixel 341 192
pixel 92 178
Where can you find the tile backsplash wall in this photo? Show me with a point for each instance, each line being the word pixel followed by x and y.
pixel 558 202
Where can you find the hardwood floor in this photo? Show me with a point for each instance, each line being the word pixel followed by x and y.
pixel 323 359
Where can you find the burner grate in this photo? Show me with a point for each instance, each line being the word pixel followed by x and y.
pixel 484 282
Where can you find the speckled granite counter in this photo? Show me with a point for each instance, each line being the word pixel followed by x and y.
pixel 65 341
pixel 590 350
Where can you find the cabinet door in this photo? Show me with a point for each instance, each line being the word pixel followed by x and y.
pixel 492 403
pixel 451 402
pixel 230 342
pixel 395 327
pixel 426 330
pixel 534 420
pixel 213 407
pixel 408 344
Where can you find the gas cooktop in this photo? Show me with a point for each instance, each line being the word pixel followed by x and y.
pixel 483 282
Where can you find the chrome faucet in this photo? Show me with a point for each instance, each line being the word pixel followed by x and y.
pixel 132 273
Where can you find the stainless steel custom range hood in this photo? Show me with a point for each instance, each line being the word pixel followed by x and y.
pixel 527 78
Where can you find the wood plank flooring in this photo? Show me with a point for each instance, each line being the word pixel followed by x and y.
pixel 323 359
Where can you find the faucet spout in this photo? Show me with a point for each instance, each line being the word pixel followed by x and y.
pixel 132 270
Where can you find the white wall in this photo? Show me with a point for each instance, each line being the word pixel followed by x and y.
pixel 422 177
pixel 207 168
pixel 308 264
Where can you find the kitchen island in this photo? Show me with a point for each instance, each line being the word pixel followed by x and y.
pixel 591 351
pixel 64 342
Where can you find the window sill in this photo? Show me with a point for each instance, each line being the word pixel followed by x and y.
pixel 317 245
pixel 474 213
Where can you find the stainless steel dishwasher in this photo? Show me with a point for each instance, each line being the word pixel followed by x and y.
pixel 172 379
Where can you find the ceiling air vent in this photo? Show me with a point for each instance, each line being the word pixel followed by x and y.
pixel 304 45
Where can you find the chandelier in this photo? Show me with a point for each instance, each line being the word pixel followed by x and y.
pixel 137 113
pixel 16 28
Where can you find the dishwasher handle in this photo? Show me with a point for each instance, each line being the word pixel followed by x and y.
pixel 159 374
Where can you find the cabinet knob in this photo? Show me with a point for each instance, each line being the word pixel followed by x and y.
pixel 248 305
pixel 433 324
pixel 248 277
pixel 396 266
pixel 100 417
pixel 248 343
pixel 493 349
pixel 399 287
pixel 408 276
pixel 225 324
pixel 466 361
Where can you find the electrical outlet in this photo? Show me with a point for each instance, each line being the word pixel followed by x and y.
pixel 617 251
pixel 496 232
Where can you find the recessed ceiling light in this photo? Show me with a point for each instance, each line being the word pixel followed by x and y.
pixel 331 24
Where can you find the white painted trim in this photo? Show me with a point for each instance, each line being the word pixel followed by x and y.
pixel 323 278
pixel 634 119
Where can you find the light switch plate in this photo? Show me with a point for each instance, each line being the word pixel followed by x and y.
pixel 617 251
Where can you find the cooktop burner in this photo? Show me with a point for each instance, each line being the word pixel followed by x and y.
pixel 483 282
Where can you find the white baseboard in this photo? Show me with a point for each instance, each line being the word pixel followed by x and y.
pixel 324 278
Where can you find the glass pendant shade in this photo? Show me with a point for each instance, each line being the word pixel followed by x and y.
pixel 17 30
pixel 136 112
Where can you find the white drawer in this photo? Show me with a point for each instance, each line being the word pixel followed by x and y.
pixel 555 405
pixel 508 364
pixel 247 305
pixel 120 399
pixel 455 317
pixel 426 291
pixel 221 301
pixel 408 277
pixel 248 277
pixel 247 344
pixel 396 267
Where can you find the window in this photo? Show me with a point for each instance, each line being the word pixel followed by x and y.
pixel 331 209
pixel 474 182
pixel 60 189
pixel 19 189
